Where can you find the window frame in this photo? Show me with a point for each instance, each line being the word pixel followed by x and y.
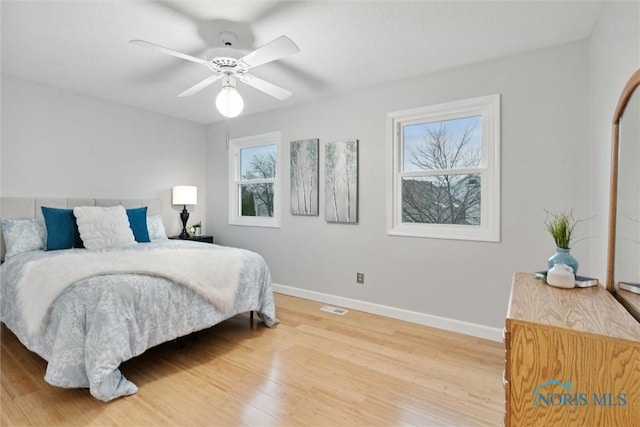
pixel 488 108
pixel 235 180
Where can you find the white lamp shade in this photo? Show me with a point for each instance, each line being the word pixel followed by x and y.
pixel 229 102
pixel 185 195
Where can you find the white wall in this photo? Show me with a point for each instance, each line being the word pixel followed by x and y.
pixel 57 143
pixel 614 54
pixel 544 153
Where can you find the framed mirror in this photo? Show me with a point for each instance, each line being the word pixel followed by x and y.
pixel 623 258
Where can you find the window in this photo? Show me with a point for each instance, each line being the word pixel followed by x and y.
pixel 254 193
pixel 444 170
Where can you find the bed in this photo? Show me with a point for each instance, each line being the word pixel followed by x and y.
pixel 85 311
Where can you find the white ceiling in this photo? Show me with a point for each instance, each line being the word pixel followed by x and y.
pixel 344 45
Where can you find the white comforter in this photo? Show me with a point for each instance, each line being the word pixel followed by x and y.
pixel 102 320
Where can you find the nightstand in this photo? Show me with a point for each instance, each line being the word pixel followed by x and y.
pixel 202 238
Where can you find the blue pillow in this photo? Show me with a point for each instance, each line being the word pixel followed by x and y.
pixel 138 224
pixel 62 230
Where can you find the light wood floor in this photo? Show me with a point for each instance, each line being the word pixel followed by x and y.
pixel 313 369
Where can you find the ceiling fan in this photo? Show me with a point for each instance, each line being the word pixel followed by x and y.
pixel 228 69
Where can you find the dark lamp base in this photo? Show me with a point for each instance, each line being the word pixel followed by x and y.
pixel 184 216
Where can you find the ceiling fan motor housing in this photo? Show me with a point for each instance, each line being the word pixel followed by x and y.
pixel 228 66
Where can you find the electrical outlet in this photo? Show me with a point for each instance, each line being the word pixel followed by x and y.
pixel 360 278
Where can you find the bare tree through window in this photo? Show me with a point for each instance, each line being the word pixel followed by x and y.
pixel 257 164
pixel 439 186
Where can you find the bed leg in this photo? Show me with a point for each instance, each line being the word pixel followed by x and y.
pixel 251 318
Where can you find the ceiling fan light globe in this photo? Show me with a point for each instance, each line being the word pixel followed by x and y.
pixel 229 102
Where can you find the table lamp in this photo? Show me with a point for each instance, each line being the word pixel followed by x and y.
pixel 184 195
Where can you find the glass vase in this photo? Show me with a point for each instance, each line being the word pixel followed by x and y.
pixel 563 256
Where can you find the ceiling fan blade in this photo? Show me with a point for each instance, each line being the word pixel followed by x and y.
pixel 276 49
pixel 264 86
pixel 168 51
pixel 199 86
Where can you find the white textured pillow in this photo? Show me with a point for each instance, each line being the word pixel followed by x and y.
pixel 156 228
pixel 103 227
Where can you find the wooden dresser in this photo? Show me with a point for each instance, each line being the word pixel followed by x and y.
pixel 572 357
pixel 630 300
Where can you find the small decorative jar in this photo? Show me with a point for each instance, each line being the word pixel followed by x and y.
pixel 561 276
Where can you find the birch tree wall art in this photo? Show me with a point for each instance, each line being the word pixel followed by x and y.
pixel 304 177
pixel 341 181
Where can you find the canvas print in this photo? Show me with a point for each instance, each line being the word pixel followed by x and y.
pixel 304 177
pixel 341 181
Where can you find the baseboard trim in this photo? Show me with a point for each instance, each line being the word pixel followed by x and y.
pixel 467 328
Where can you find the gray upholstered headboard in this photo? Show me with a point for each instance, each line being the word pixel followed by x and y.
pixel 30 208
